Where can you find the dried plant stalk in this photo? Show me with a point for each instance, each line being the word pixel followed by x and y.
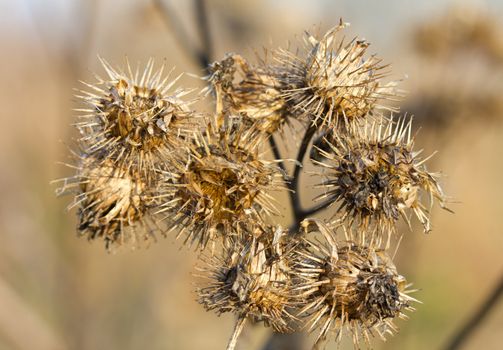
pixel 145 157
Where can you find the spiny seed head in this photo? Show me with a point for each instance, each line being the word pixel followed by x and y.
pixel 133 119
pixel 348 286
pixel 375 176
pixel 250 279
pixel 333 79
pixel 256 93
pixel 111 202
pixel 222 180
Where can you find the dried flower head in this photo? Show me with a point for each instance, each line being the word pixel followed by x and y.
pixel 461 28
pixel 250 279
pixel 132 119
pixel 333 79
pixel 252 91
pixel 223 180
pixel 347 285
pixel 111 201
pixel 375 176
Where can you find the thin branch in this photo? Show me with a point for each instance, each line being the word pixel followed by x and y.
pixel 460 338
pixel 293 341
pixel 294 184
pixel 26 322
pixel 276 153
pixel 206 52
pixel 317 208
pixel 238 328
pixel 201 56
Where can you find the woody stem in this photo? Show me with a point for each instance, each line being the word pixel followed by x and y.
pixel 238 328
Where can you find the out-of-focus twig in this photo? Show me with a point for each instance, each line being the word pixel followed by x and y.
pixel 201 55
pixel 277 155
pixel 474 321
pixel 28 331
pixel 293 186
pixel 279 341
pixel 206 52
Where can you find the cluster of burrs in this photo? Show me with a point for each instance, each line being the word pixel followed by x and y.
pixel 148 164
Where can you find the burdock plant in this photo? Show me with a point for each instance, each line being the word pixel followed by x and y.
pixel 147 163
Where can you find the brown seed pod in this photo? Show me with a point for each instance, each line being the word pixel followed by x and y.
pixel 250 278
pixel 347 286
pixel 133 119
pixel 375 176
pixel 333 80
pixel 252 91
pixel 222 181
pixel 111 202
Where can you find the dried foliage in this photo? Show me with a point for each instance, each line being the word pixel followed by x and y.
pixel 347 285
pixel 331 80
pixel 375 176
pixel 219 182
pixel 146 158
pixel 251 279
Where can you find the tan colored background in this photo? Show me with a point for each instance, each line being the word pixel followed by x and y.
pixel 60 292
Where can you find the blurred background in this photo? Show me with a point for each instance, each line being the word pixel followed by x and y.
pixel 60 292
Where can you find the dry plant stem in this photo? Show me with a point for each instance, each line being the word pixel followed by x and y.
pixel 277 156
pixel 205 53
pixel 278 341
pixel 293 186
pixel 317 208
pixel 460 338
pixel 202 56
pixel 238 328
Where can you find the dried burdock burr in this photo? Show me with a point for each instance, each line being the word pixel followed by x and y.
pixel 145 158
pixel 252 91
pixel 222 180
pixel 133 118
pixel 330 80
pixel 111 202
pixel 250 278
pixel 347 286
pixel 374 176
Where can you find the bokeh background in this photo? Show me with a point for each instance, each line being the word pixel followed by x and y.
pixel 60 292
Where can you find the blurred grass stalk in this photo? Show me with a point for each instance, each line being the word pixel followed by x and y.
pixel 21 327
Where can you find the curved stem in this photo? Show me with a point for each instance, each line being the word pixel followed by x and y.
pixel 294 184
pixel 276 153
pixel 457 341
pixel 317 208
pixel 240 323
pixel 201 55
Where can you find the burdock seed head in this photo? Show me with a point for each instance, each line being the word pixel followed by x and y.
pixel 375 176
pixel 133 119
pixel 333 80
pixel 348 286
pixel 111 202
pixel 251 90
pixel 222 181
pixel 249 278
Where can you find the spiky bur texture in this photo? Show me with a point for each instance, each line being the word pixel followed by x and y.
pixel 130 128
pixel 347 285
pixel 134 119
pixel 222 180
pixel 111 201
pixel 146 155
pixel 251 90
pixel 251 279
pixel 330 80
pixel 375 176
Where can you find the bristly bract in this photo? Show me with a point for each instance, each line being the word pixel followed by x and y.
pixel 374 176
